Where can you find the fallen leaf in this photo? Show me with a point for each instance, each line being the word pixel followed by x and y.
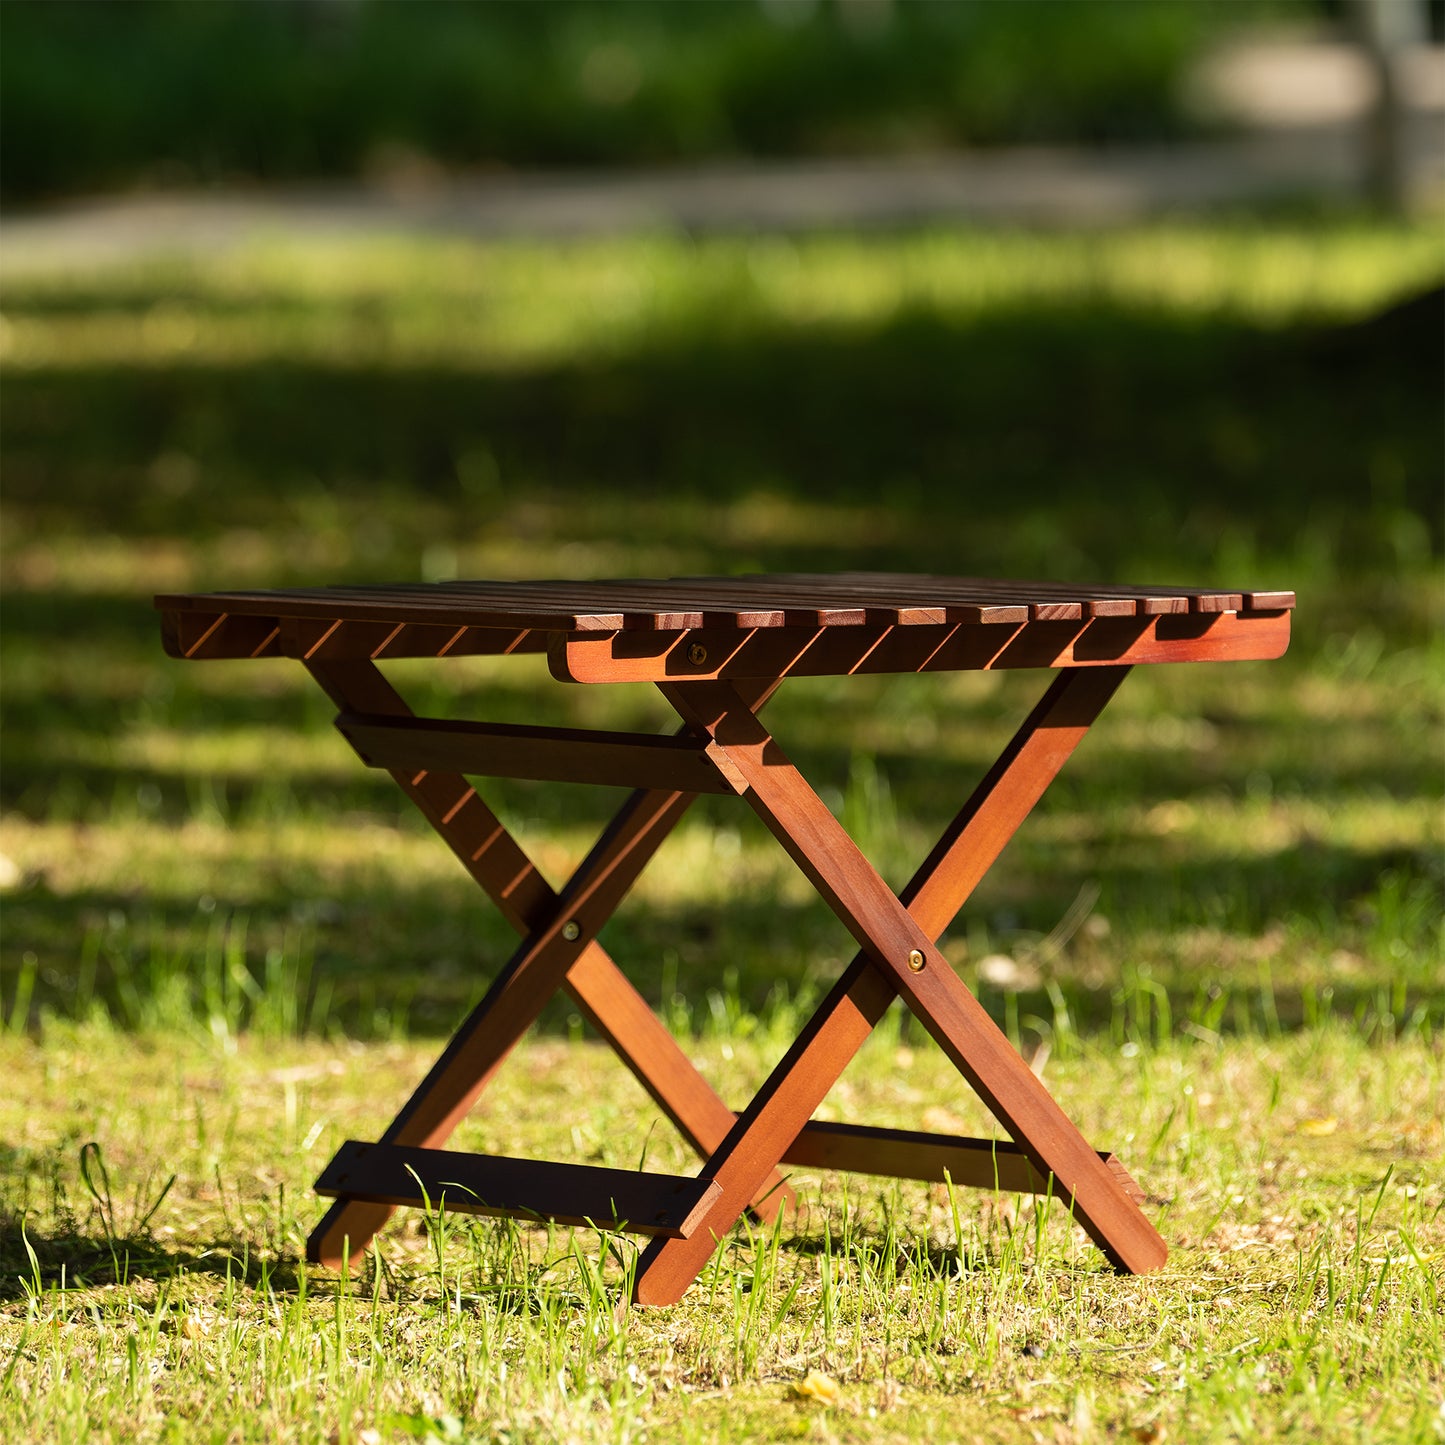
pixel 1316 1128
pixel 817 1386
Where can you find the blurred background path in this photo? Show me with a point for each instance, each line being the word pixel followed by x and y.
pixel 1295 115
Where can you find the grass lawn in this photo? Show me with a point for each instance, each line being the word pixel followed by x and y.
pixel 227 947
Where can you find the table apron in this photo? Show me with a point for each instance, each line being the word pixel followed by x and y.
pixel 706 654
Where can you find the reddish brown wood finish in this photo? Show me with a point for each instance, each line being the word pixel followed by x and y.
pixel 710 654
pixel 496 618
pixel 559 755
pixel 786 1102
pixel 536 970
pixel 868 642
pixel 198 636
pixel 717 647
pixel 600 989
pixel 887 935
pixel 764 601
pixel 905 1154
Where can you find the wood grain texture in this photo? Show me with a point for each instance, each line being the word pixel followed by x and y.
pixel 518 994
pixel 767 1127
pixel 958 647
pixel 576 1194
pixel 717 647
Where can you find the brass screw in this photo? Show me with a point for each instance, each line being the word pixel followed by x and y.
pixel 916 961
pixel 571 930
pixel 697 654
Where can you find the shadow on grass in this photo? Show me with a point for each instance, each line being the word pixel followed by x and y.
pixel 37 1262
pixel 924 1258
pixel 34 1264
pixel 45 780
pixel 1084 442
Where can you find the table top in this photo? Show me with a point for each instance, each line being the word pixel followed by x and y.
pixel 775 625
pixel 763 600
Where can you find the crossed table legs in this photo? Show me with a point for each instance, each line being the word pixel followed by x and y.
pixel 897 956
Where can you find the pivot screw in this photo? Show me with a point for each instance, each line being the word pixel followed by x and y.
pixel 697 654
pixel 916 960
pixel 571 930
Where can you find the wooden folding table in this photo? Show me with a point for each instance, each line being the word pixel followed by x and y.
pixel 717 648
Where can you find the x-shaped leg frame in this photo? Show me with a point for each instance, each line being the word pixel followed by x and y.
pixel 897 956
pixel 558 949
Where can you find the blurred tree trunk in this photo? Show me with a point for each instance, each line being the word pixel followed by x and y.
pixel 1386 28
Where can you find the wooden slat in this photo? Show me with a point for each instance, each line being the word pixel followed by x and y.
pixel 906 1154
pixel 1268 601
pixel 1036 598
pixel 544 754
pixel 316 639
pixel 207 635
pixel 577 1194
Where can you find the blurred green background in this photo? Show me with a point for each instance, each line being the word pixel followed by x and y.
pixel 1235 400
pixel 95 95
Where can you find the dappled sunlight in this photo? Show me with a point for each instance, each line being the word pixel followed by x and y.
pixel 1011 444
pixel 506 304
pixel 1143 405
pixel 1298 1254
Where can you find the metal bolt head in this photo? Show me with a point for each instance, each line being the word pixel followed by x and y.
pixel 697 654
pixel 571 930
pixel 916 960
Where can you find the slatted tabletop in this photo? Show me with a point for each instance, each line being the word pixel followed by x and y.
pixel 760 601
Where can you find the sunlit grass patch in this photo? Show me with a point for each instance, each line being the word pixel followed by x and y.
pixel 1302 1297
pixel 392 302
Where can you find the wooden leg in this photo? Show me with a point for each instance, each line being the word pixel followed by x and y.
pixel 527 901
pixel 768 1125
pixel 626 1020
pixel 889 931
